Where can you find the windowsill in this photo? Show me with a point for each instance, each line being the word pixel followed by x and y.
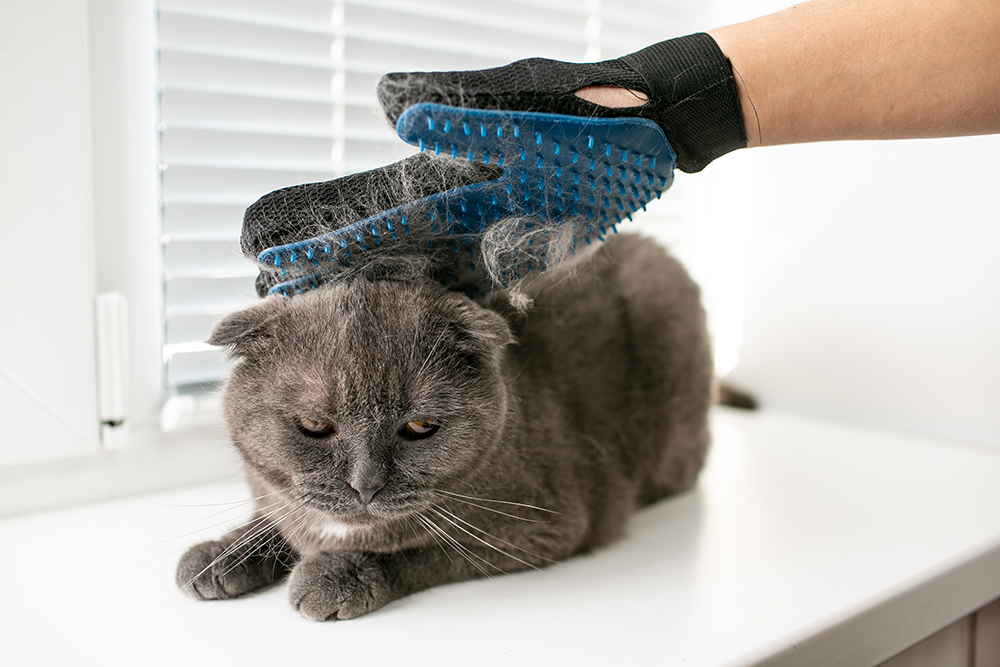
pixel 148 460
pixel 807 542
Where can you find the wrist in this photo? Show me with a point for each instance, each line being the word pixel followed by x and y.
pixel 694 98
pixel 724 37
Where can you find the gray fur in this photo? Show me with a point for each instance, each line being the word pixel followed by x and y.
pixel 555 424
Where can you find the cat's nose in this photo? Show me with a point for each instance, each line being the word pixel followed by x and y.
pixel 366 493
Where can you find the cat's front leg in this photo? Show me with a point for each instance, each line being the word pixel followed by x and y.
pixel 337 586
pixel 244 559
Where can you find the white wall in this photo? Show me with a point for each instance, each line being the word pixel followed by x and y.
pixel 873 282
pixel 865 274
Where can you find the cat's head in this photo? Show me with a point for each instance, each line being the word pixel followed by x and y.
pixel 363 398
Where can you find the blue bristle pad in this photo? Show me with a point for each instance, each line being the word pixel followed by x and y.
pixel 448 218
pixel 590 172
pixel 556 164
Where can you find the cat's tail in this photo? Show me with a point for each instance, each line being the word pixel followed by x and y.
pixel 727 394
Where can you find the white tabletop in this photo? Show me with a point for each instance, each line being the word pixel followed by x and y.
pixel 807 542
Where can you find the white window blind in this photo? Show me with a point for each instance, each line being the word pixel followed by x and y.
pixel 260 94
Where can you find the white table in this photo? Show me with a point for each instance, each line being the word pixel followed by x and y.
pixel 807 542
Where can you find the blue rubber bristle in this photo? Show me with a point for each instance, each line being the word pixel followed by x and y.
pixel 549 192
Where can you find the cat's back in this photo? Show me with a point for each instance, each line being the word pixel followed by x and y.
pixel 620 348
pixel 628 301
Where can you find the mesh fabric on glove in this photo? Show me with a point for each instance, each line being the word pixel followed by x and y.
pixel 304 211
pixel 689 82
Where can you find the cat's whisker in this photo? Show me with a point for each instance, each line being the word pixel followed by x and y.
pixel 251 529
pixel 434 537
pixel 495 511
pixel 502 502
pixel 260 536
pixel 179 550
pixel 232 503
pixel 194 531
pixel 460 548
pixel 436 533
pixel 301 525
pixel 273 523
pixel 298 526
pixel 490 535
pixel 258 526
pixel 479 539
pixel 238 546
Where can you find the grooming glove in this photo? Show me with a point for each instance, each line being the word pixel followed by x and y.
pixel 565 157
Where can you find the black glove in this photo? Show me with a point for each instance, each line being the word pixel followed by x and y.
pixel 689 82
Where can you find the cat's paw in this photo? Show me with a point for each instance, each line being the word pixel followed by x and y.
pixel 211 571
pixel 338 586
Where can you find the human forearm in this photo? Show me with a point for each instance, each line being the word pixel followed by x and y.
pixel 859 69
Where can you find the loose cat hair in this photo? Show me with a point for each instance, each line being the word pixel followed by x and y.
pixel 397 435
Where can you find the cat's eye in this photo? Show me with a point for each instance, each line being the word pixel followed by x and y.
pixel 315 428
pixel 416 430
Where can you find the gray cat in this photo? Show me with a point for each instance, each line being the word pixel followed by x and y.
pixel 398 435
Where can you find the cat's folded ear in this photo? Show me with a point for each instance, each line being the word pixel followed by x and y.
pixel 481 330
pixel 250 329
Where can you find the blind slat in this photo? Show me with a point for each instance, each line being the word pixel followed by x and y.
pixel 192 328
pixel 225 73
pixel 191 296
pixel 548 36
pixel 243 39
pixel 245 111
pixel 205 218
pixel 305 14
pixel 258 151
pixel 414 51
pixel 532 17
pixel 203 185
pixel 201 257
